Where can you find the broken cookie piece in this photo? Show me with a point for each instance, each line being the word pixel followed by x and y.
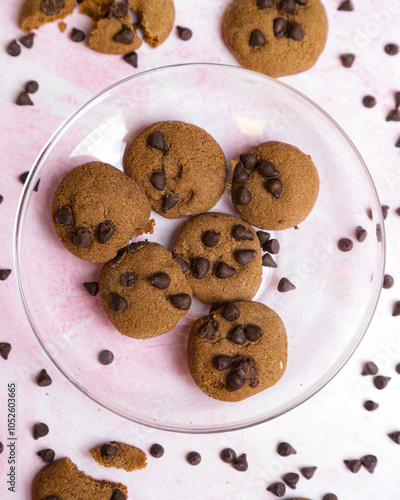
pixel 120 455
pixel 156 19
pixel 38 12
pixel 114 35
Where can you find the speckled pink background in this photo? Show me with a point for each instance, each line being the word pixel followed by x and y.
pixel 330 427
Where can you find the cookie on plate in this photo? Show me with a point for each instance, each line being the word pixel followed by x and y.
pixel 156 19
pixel 237 350
pixel 180 166
pixel 63 480
pixel 274 186
pixel 143 290
pixel 97 209
pixel 120 455
pixel 37 12
pixel 220 256
pixel 275 37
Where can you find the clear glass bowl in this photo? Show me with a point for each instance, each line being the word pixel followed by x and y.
pixel 326 316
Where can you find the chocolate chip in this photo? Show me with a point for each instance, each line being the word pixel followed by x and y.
pixel 1 199
pixel 77 35
pixel 82 238
pixel 199 267
pixel 347 60
pixel 158 180
pixel 43 379
pixel 47 455
pixel 265 4
pixel 274 186
pixel 118 495
pixel 182 262
pixel 330 496
pixel 345 244
pixel 369 462
pixel 224 271
pixel 267 169
pixel 160 280
pixel 308 472
pixel 353 465
pixel 286 449
pixel 361 234
pixel 253 332
pixel 231 312
pixel 126 36
pixel 228 455
pixel 277 489
pixel 119 10
pixel 280 25
pixel 263 237
pixel 388 281
pixel 1 447
pixel 184 33
pixel 302 2
pixel 64 217
pixel 92 288
pixel 257 39
pixel 369 368
pixel 370 405
pixel 157 141
pixel 240 174
pixel 118 303
pixel 193 458
pixel 396 309
pixel 241 233
pixel 211 238
pixel 398 211
pixel 208 330
pixel 288 6
pixel 23 177
pixel 249 160
pixel 397 145
pixel 106 230
pixel 27 40
pixel 5 349
pixel 128 279
pixel 23 99
pixel 106 357
pixel 132 59
pixel 4 274
pixel 296 32
pixel 217 305
pixel 222 362
pixel 237 336
pixel 393 116
pixel 243 196
pixel 291 479
pixel 268 261
pixel 272 246
pixel 378 233
pixel 397 99
pixel 234 382
pixel 240 463
pixel 385 211
pixel 346 6
pixel 31 87
pixel 244 257
pixel 398 368
pixel 51 7
pixel 369 101
pixel 169 201
pixel 392 49
pixel 380 382
pixel 395 437
pixel 14 49
pixel 40 430
pixel 156 450
pixel 109 450
pixel 246 369
pixel 181 301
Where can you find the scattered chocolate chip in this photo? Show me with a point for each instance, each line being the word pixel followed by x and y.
pixel 263 237
pixel 369 101
pixel 5 349
pixel 397 145
pixel 118 495
pixel 181 301
pixel 285 285
pixel 308 472
pixel 392 49
pixel 4 274
pixel 31 87
pixel 369 462
pixel 126 36
pixel 106 231
pixel 265 4
pixel 77 35
pixel 361 234
pixel 397 99
pixel 369 368
pixel 253 332
pixel 1 447
pixel 23 177
pixel 378 233
pixel 43 379
pixel 184 33
pixel 380 382
pixel 27 40
pixel 353 465
pixel 385 211
pixel 274 186
pixel 208 330
pixel 157 141
pixel 92 288
pixel 200 267
pixel 82 238
pixel 398 211
pixel 64 217
pixel 36 188
pixel 1 199
pixel 118 303
pixel 272 246
pixel 211 238
pixel 369 213
pixel 346 6
pixel 398 368
pixel 40 430
pixel 106 357
pixel 267 169
pixel 370 405
pixel 280 25
pixel 240 463
pixel 291 479
pixel 330 496
pixel 14 49
pixel 388 281
pixel 128 279
pixel 277 489
pixel 345 244
pixel 237 336
pixel 268 261
pixel 132 59
pixel 395 437
pixel 156 450
pixel 228 455
pixel 241 233
pixel 109 450
pixel 347 60
pixel 46 455
pixel 249 160
pixel 257 39
pixel 231 312
pixel 244 257
pixel 396 309
pixel 182 262
pixel 224 271
pixel 158 180
pixel 288 6
pixel 193 458
pixel 234 382
pixel 222 362
pixel 169 201
pixel 296 32
pixel 393 116
pixel 160 280
pixel 286 449
pixel 119 10
pixel 243 196
pixel 51 7
pixel 240 174
pixel 23 99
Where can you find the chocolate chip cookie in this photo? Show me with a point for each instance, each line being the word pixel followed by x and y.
pixel 156 19
pixel 220 257
pixel 180 166
pixel 37 12
pixel 97 209
pixel 274 186
pixel 275 37
pixel 120 455
pixel 237 350
pixel 62 480
pixel 143 290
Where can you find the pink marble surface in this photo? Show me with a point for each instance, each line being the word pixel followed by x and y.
pixel 330 427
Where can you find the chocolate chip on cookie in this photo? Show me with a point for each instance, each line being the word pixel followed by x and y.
pixel 211 238
pixel 231 312
pixel 295 32
pixel 280 26
pixel 244 257
pixel 240 173
pixel 118 303
pixel 237 335
pixel 241 233
pixel 157 141
pixel 249 160
pixel 222 362
pixel 160 280
pixel 181 301
pixel 224 271
pixel 158 180
pixel 200 267
pixel 257 39
pixel 265 4
pixel 288 6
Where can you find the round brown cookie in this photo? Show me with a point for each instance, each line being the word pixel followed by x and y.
pixel 143 290
pixel 221 257
pixel 64 481
pixel 37 12
pixel 96 210
pixel 277 38
pixel 279 187
pixel 120 455
pixel 237 350
pixel 156 19
pixel 180 166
